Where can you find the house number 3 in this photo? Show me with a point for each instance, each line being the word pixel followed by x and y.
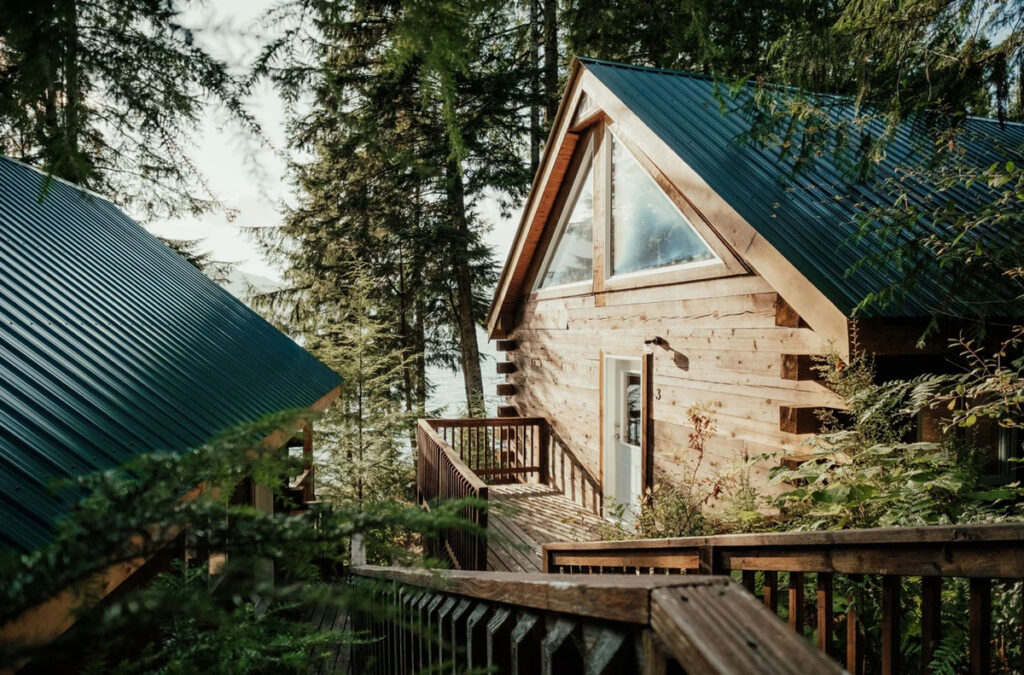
pixel 657 394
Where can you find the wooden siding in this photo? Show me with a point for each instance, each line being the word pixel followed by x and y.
pixel 721 347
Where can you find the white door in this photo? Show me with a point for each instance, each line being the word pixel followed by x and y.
pixel 623 462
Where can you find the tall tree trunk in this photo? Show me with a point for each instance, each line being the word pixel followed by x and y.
pixel 534 65
pixel 468 349
pixel 550 61
pixel 407 347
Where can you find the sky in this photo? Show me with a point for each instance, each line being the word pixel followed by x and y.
pixel 248 177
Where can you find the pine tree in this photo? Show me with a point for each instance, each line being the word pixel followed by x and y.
pixel 107 95
pixel 417 116
pixel 365 432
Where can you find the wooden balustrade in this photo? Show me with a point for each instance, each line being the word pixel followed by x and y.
pixel 501 450
pixel 420 621
pixel 441 475
pixel 881 562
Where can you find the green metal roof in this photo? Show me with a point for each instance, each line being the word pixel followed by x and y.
pixel 112 345
pixel 810 215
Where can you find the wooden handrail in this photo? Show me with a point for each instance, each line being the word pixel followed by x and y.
pixel 505 449
pixel 982 553
pixel 986 550
pixel 452 458
pixel 527 623
pixel 441 475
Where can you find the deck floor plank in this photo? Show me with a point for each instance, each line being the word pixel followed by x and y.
pixel 527 515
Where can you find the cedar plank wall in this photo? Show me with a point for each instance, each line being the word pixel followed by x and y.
pixel 723 348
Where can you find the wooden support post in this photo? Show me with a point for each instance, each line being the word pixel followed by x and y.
pixel 931 619
pixel 505 367
pixel 796 601
pixel 506 389
pixel 854 639
pixel 980 626
pixel 749 580
pixel 825 612
pixel 771 591
pixel 544 452
pixel 476 637
pixel 308 486
pixel 647 423
pixel 891 624
pixel 499 642
pixel 526 640
pixel 706 560
pixel 507 411
pixel 505 345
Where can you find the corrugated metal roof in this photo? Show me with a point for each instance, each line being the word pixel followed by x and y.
pixel 112 345
pixel 810 215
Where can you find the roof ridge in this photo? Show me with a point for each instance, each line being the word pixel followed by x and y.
pixel 50 176
pixel 773 85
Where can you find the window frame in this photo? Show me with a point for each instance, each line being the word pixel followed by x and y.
pixel 594 154
pixel 584 170
pixel 611 137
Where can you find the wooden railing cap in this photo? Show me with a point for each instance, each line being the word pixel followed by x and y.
pixel 613 597
pixel 980 533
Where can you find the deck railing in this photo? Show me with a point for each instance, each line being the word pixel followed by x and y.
pixel 459 457
pixel 441 475
pixel 861 560
pixel 502 450
pixel 530 623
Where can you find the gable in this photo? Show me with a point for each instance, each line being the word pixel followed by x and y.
pixel 587 111
pixel 810 217
pixel 113 345
pixel 587 107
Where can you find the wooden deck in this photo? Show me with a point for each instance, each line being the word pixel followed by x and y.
pixel 525 515
pixel 332 657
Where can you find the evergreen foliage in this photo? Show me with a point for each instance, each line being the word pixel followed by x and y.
pixel 107 94
pixel 416 117
pixel 239 604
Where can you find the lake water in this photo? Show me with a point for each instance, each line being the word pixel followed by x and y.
pixel 449 396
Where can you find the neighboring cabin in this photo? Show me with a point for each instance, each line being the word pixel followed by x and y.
pixel 661 264
pixel 112 345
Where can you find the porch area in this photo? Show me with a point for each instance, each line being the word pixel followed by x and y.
pixel 535 492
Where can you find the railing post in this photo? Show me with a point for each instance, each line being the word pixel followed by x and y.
pixel 542 454
pixel 481 539
pixel 706 563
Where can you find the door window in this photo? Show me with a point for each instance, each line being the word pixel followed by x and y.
pixel 632 409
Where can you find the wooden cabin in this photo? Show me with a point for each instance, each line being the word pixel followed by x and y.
pixel 660 264
pixel 113 345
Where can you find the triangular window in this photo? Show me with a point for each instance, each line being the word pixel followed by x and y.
pixel 648 231
pixel 572 249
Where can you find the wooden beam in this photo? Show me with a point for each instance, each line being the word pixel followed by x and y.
pixel 786 316
pixel 506 389
pixel 799 419
pixel 799 367
pixel 507 411
pixel 505 345
pixel 505 367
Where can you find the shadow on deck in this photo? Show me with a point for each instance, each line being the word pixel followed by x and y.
pixel 524 516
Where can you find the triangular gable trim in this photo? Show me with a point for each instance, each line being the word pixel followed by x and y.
pixel 728 225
